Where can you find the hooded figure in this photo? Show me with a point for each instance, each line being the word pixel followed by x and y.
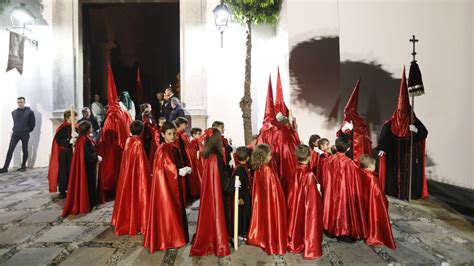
pixel 354 129
pixel 111 144
pixel 394 144
pixel 127 104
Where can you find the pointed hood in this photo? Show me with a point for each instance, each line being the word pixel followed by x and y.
pixel 351 106
pixel 112 97
pixel 401 117
pixel 280 106
pixel 269 107
pixel 139 88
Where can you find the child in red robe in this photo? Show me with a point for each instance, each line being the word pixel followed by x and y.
pixel 133 189
pixel 344 209
pixel 268 227
pixel 188 155
pixel 211 231
pixel 313 145
pixel 82 190
pixel 305 209
pixel 61 156
pixel 167 225
pixel 379 230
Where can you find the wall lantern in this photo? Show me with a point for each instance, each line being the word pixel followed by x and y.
pixel 221 18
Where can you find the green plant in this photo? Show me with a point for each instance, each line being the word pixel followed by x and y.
pixel 249 12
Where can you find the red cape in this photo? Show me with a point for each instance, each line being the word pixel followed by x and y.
pixel 344 208
pixel 379 230
pixel 77 197
pixel 53 170
pixel 131 202
pixel 197 144
pixel 268 227
pixel 305 211
pixel 285 140
pixel 211 232
pixel 164 228
pixel 314 162
pixel 195 176
pixel 111 143
pixel 155 144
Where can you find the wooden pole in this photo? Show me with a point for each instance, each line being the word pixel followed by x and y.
pixel 73 119
pixel 236 216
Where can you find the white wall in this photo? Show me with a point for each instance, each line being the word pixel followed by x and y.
pixel 36 85
pixel 379 30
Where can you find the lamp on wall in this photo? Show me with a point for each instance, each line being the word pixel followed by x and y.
pixel 22 19
pixel 221 18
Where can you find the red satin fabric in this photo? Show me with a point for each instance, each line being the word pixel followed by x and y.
pixel 382 171
pixel 111 143
pixel 314 162
pixel 269 116
pixel 268 226
pixel 195 176
pixel 424 188
pixel 77 197
pixel 197 144
pixel 305 214
pixel 379 230
pixel 285 141
pixel 154 145
pixel 53 170
pixel 164 229
pixel 344 209
pixel 211 232
pixel 133 190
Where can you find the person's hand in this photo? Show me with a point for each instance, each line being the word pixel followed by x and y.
pixel 413 129
pixel 319 188
pixel 237 184
pixel 99 158
pixel 381 153
pixel 188 170
pixel 348 126
pixel 232 163
pixel 279 116
pixel 74 134
pixel 73 141
pixel 182 171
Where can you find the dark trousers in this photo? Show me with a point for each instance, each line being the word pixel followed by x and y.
pixel 24 137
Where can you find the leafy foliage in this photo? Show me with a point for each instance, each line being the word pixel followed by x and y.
pixel 3 4
pixel 255 11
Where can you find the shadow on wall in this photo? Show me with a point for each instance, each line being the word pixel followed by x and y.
pixel 36 6
pixel 323 84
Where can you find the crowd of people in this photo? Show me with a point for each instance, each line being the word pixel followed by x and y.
pixel 289 193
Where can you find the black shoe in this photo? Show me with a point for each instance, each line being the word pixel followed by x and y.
pixel 22 169
pixel 62 195
pixel 3 170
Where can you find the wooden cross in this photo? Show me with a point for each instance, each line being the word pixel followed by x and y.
pixel 414 41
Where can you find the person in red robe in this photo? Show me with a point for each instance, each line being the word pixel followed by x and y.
pixel 129 216
pixel 167 225
pixel 188 154
pixel 354 129
pixel 379 230
pixel 111 143
pixel 227 144
pixel 196 134
pixel 324 151
pixel 81 193
pixel 305 209
pixel 313 145
pixel 212 235
pixel 61 156
pixel 344 210
pixel 394 147
pixel 268 226
pixel 149 131
pixel 285 140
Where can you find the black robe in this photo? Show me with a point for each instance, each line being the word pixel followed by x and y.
pixel 90 158
pixel 397 152
pixel 65 156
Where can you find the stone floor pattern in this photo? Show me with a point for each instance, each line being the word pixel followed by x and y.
pixel 32 233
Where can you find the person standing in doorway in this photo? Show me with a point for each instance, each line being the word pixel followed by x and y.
pixel 23 124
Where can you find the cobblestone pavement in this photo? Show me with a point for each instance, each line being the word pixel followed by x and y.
pixel 32 233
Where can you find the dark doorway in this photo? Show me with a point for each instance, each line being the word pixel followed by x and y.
pixel 130 36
